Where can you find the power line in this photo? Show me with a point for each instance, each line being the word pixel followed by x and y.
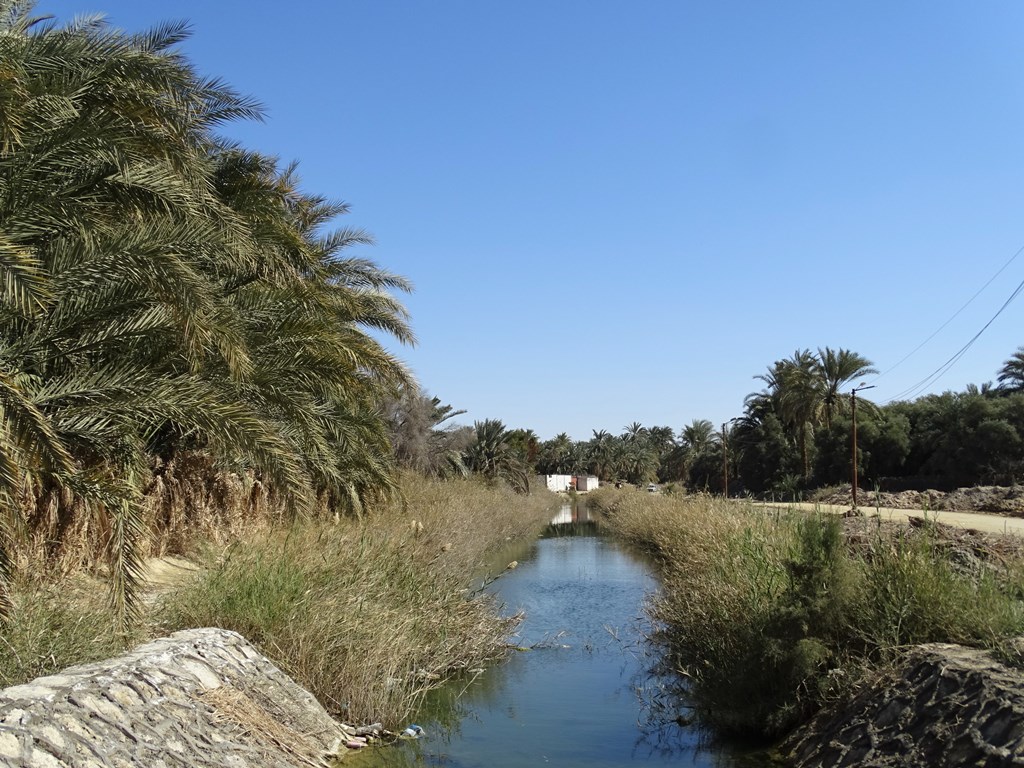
pixel 954 316
pixel 942 369
pixel 938 372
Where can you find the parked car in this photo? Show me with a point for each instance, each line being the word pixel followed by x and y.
pixel 652 488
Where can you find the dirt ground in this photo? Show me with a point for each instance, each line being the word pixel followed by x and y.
pixel 984 522
pixel 161 573
pixel 1003 500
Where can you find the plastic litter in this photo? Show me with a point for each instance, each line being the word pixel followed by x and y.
pixel 414 732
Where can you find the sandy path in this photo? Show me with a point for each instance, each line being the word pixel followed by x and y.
pixel 978 521
pixel 159 574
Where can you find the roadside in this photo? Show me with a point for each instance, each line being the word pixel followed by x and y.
pixel 998 499
pixel 986 522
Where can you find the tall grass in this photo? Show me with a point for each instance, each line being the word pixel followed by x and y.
pixel 58 623
pixel 766 615
pixel 369 615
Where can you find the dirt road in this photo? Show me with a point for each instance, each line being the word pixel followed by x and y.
pixel 978 521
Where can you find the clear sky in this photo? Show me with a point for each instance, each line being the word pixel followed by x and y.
pixel 624 211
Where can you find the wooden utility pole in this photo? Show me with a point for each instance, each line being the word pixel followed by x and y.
pixel 725 461
pixel 853 416
pixel 853 413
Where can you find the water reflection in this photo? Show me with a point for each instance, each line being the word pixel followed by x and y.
pixel 579 691
pixel 573 519
pixel 573 512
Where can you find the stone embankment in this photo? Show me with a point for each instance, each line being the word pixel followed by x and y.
pixel 201 698
pixel 950 706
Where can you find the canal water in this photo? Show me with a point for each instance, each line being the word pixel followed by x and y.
pixel 579 692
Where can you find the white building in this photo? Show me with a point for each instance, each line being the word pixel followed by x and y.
pixel 556 483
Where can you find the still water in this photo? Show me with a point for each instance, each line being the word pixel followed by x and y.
pixel 580 691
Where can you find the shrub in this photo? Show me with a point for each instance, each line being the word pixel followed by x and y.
pixel 765 615
pixel 58 624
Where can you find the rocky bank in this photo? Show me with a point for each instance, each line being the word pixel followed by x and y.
pixel 947 706
pixel 202 698
pixel 207 699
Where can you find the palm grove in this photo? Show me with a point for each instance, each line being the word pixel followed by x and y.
pixel 165 290
pixel 795 435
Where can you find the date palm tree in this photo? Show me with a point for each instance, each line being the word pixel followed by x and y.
pixel 697 439
pixel 1011 375
pixel 638 461
pixel 557 455
pixel 635 432
pixel 797 390
pixel 101 130
pixel 420 438
pixel 156 281
pixel 492 455
pixel 837 368
pixel 698 436
pixel 601 453
pixel 307 308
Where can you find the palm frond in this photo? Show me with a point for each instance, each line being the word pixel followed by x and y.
pixel 24 279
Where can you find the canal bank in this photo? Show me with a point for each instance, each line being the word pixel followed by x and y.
pixel 580 689
pixel 551 703
pixel 850 631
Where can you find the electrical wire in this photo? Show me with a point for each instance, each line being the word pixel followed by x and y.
pixel 955 315
pixel 938 372
pixel 942 369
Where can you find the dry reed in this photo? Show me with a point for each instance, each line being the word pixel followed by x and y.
pixel 767 614
pixel 368 614
pixel 371 614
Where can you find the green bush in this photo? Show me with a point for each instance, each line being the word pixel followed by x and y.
pixel 915 594
pixel 766 615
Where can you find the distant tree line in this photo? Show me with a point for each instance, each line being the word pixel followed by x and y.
pixel 794 436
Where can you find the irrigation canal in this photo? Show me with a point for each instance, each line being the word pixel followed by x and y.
pixel 583 693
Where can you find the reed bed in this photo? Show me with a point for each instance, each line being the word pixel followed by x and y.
pixel 766 615
pixel 369 613
pixel 58 621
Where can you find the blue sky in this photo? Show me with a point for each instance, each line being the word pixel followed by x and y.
pixel 624 211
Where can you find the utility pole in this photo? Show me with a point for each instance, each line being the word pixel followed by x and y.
pixel 725 460
pixel 853 416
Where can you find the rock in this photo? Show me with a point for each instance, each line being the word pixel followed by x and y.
pixel 370 730
pixel 945 706
pixel 203 698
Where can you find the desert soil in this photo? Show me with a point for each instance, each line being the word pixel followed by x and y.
pixel 986 522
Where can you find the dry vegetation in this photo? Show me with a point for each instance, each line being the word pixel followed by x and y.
pixel 369 614
pixel 766 614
